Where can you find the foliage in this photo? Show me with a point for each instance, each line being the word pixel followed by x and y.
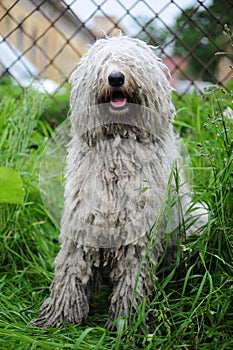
pixel 9 88
pixel 200 32
pixel 196 35
pixel 11 186
pixel 56 106
pixel 152 33
pixel 191 308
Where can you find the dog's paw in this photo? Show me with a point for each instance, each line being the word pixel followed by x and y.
pixel 52 313
pixel 48 318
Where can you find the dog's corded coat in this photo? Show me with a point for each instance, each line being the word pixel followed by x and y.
pixel 110 218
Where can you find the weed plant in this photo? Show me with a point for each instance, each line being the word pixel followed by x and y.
pixel 192 300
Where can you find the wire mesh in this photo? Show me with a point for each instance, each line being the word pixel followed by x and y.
pixel 46 39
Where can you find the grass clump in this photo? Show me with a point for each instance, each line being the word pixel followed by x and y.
pixel 56 105
pixel 192 304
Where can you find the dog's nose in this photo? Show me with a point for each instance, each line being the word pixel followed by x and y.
pixel 116 79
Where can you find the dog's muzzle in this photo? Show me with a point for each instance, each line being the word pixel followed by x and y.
pixel 118 93
pixel 116 80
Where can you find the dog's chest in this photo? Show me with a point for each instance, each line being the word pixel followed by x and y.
pixel 119 186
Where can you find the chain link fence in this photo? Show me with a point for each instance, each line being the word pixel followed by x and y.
pixel 45 39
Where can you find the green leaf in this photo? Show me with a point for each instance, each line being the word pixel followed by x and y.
pixel 144 189
pixel 228 103
pixel 11 186
pixel 181 123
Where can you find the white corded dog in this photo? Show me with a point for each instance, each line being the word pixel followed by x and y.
pixel 118 183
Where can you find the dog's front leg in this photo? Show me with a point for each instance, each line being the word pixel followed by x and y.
pixel 68 301
pixel 131 283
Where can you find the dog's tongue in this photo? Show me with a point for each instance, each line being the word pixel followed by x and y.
pixel 118 102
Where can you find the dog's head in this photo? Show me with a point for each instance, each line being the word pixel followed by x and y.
pixel 121 71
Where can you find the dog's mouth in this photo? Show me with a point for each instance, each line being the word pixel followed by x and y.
pixel 118 100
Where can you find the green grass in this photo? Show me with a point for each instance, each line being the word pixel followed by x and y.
pixel 55 109
pixel 192 305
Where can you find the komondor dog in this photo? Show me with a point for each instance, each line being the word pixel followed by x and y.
pixel 123 206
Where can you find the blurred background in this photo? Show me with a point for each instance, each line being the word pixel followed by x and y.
pixel 42 41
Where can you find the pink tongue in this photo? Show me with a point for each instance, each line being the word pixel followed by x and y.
pixel 118 102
